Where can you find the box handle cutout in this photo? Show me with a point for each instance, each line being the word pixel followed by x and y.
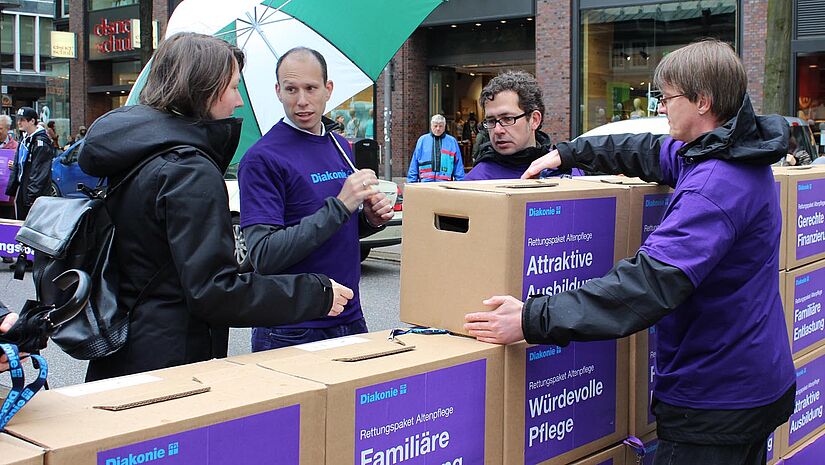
pixel 452 223
pixel 358 358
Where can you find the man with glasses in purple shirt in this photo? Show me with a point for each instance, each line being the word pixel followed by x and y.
pixel 303 205
pixel 706 277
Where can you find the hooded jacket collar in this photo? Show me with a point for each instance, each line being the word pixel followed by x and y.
pixel 122 138
pixel 520 158
pixel 745 138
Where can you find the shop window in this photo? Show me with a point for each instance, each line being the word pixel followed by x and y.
pixel 810 98
pixel 125 73
pixel 7 35
pixel 356 115
pixel 621 47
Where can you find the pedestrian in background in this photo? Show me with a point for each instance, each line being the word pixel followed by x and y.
pixel 6 137
pixel 31 169
pixel 706 277
pixel 174 243
pixel 437 156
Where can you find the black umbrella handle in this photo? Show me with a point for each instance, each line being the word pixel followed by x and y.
pixel 77 302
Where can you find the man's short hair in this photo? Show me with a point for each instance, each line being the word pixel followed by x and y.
pixel 314 53
pixel 530 97
pixel 438 119
pixel 709 67
pixel 5 120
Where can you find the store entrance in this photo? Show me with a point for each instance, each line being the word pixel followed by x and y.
pixel 455 92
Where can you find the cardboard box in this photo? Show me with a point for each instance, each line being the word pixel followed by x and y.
pixel 804 225
pixel 774 449
pixel 650 443
pixel 212 412
pixel 16 452
pixel 648 203
pixel 564 403
pixel 642 373
pixel 807 420
pixel 436 398
pixel 613 456
pixel 467 241
pixel 811 452
pixel 804 299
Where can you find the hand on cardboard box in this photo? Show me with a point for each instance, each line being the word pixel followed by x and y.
pixel 340 296
pixel 550 161
pixel 502 325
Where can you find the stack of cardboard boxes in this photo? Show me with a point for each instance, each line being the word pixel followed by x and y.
pixel 444 399
pixel 802 281
pixel 524 238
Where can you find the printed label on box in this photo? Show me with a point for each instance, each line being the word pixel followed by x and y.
pixel 808 320
pixel 809 404
pixel 570 397
pixel 247 440
pixel 434 417
pixel 653 210
pixel 651 369
pixel 769 454
pixel 567 243
pixel 810 218
pixel 607 462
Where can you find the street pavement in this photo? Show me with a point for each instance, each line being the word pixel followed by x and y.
pixel 380 294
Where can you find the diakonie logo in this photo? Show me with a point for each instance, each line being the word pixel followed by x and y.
pixel 376 396
pixel 173 448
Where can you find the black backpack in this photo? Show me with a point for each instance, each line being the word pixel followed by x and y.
pixel 67 233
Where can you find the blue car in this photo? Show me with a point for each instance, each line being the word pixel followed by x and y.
pixel 66 174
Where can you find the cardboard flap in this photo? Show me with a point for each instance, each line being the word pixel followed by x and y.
pixel 487 187
pixel 626 182
pixel 152 394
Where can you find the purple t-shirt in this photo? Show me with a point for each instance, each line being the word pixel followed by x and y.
pixel 492 170
pixel 726 347
pixel 287 175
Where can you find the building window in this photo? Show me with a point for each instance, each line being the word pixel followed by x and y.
pixel 27 42
pixel 622 46
pixel 64 8
pixel 810 90
pixel 125 73
pixel 95 5
pixel 46 27
pixel 7 41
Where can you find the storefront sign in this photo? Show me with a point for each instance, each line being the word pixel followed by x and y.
pixel 110 33
pixel 63 44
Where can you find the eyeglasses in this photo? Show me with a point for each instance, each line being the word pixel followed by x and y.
pixel 663 100
pixel 504 121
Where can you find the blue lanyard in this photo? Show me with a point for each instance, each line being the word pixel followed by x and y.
pixel 20 394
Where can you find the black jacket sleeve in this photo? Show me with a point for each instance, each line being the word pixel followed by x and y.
pixel 634 295
pixel 273 249
pixel 365 229
pixel 41 153
pixel 635 155
pixel 193 206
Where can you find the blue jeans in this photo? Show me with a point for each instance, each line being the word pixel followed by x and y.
pixel 274 338
pixel 680 453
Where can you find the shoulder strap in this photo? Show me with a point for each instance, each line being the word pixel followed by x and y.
pixel 143 163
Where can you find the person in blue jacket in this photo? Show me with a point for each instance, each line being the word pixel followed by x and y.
pixel 706 277
pixel 437 156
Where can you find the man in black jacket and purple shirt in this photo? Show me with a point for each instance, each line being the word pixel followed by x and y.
pixel 706 277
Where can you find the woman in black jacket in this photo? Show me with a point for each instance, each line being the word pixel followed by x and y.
pixel 174 242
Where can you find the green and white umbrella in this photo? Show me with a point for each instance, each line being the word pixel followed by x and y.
pixel 356 37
